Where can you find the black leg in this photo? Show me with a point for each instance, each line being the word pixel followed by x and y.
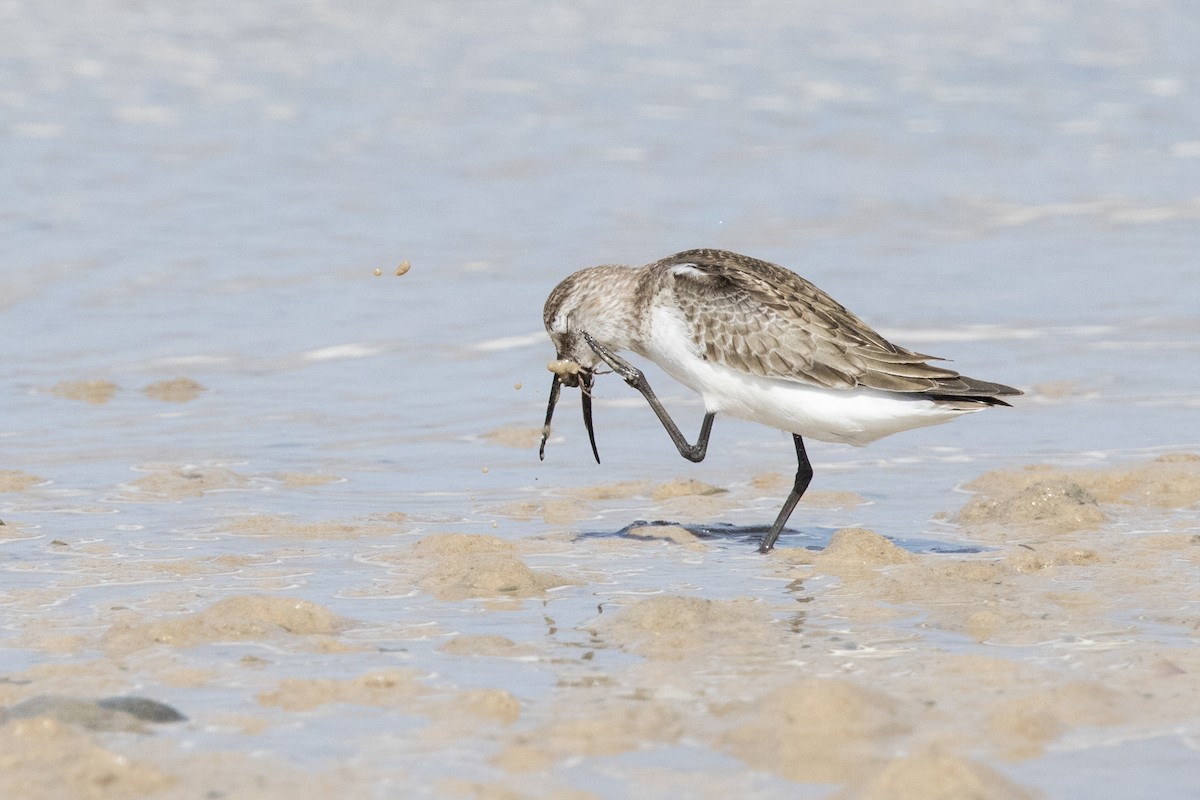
pixel 634 377
pixel 804 473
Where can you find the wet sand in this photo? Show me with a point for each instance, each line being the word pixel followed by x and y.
pixel 861 669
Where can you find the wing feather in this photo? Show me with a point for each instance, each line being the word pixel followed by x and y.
pixel 761 319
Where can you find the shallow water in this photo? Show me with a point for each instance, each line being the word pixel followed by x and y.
pixel 205 192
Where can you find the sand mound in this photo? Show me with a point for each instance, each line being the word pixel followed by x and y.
pixel 858 550
pixel 668 533
pixel 1169 481
pixel 393 687
pixel 248 617
pixel 43 759
pixel 165 484
pixel 673 627
pixel 935 775
pixel 478 566
pixel 1051 506
pixel 14 480
pixel 95 392
pixel 817 730
pixel 174 390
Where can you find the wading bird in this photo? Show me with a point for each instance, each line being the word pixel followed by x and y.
pixel 756 341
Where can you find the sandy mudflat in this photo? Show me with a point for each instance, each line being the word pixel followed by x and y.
pixel 97 392
pixel 174 390
pixel 274 528
pixel 861 670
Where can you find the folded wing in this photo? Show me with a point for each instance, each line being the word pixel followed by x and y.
pixel 759 318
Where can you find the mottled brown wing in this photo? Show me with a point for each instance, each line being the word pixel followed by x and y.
pixel 759 318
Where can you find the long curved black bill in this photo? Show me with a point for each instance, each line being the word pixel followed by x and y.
pixel 555 388
pixel 585 393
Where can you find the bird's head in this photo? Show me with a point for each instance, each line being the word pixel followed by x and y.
pixel 590 302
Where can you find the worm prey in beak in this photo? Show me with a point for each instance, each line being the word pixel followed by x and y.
pixel 571 374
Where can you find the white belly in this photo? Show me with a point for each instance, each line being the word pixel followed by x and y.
pixel 850 416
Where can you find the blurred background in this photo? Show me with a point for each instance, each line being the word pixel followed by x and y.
pixel 206 191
